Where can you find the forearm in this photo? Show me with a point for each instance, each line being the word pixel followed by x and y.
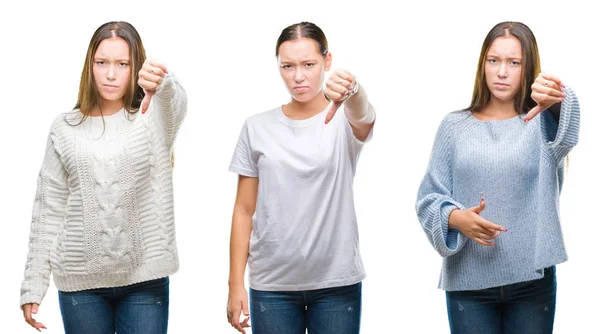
pixel 241 228
pixel 358 109
pixel 171 99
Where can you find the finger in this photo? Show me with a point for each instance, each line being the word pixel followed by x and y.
pixel 150 77
pixel 34 308
pixel 147 84
pixel 533 112
pixel 487 234
pixel 339 85
pixel 547 88
pixel 153 70
pixel 158 65
pixel 333 107
pixel 245 323
pixel 146 101
pixel 551 77
pixel 345 75
pixel 483 242
pixel 479 208
pixel 235 321
pixel 491 226
pixel 245 310
pixel 39 326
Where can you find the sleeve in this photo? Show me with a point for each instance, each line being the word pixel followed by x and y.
pixel 48 212
pixel 560 137
pixel 243 162
pixel 434 199
pixel 171 100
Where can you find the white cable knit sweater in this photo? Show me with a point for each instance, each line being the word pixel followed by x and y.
pixel 103 212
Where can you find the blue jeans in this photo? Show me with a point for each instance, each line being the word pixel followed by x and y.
pixel 138 308
pixel 526 307
pixel 323 311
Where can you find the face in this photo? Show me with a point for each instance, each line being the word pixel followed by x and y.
pixel 302 68
pixel 112 69
pixel 503 68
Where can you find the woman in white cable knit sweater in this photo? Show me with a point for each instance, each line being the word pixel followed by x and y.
pixel 103 221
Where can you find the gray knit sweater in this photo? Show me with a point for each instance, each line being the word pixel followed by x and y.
pixel 519 168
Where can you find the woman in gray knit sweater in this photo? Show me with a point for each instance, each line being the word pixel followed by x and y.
pixel 489 200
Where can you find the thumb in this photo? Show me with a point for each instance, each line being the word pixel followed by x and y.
pixel 146 101
pixel 245 308
pixel 479 208
pixel 333 107
pixel 534 111
pixel 34 308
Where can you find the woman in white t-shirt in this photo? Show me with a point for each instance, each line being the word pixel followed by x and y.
pixel 296 227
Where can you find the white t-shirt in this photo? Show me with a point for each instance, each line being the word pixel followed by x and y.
pixel 304 231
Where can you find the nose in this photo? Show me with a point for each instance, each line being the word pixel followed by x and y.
pixel 111 73
pixel 299 74
pixel 502 70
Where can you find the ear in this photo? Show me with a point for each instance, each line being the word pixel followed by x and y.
pixel 327 61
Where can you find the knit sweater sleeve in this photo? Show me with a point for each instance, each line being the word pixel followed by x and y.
pixel 48 212
pixel 434 199
pixel 171 100
pixel 560 137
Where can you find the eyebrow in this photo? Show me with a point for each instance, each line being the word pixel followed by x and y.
pixel 496 56
pixel 302 61
pixel 106 58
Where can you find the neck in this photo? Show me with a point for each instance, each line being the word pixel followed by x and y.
pixel 498 110
pixel 107 108
pixel 302 110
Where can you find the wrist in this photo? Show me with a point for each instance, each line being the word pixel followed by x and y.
pixel 454 219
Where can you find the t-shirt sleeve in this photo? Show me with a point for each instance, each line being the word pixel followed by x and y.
pixel 243 162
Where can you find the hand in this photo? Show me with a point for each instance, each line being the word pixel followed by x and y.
pixel 150 76
pixel 470 223
pixel 338 88
pixel 28 311
pixel 237 303
pixel 545 91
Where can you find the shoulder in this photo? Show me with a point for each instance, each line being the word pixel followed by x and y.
pixel 66 120
pixel 262 118
pixel 456 117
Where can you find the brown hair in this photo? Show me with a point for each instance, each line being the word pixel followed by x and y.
pixel 303 30
pixel 530 63
pixel 89 97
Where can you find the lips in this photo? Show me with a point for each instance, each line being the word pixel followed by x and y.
pixel 300 88
pixel 110 87
pixel 500 84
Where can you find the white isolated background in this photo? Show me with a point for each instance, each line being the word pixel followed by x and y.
pixel 417 61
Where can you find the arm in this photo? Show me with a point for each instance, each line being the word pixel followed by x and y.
pixel 360 114
pixel 167 95
pixel 243 164
pixel 562 134
pixel 434 199
pixel 171 100
pixel 241 227
pixel 48 213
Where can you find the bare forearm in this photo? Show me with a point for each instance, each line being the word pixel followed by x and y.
pixel 239 244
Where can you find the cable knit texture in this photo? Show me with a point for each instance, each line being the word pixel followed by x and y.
pixel 103 212
pixel 518 167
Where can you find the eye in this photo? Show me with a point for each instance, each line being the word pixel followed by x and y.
pixel 99 62
pixel 491 61
pixel 515 63
pixel 310 64
pixel 286 67
pixel 123 64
